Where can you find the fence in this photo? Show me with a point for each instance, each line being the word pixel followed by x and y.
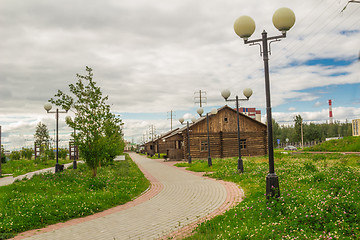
pixel 298 144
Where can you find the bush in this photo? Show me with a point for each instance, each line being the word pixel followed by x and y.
pixel 15 155
pixel 26 153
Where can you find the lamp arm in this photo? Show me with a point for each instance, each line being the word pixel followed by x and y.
pixel 283 35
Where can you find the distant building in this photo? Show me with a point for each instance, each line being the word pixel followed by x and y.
pixel 251 112
pixel 355 127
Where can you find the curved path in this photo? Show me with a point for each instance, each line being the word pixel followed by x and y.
pixel 182 199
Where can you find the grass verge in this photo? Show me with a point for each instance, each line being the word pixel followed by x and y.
pixel 347 144
pixel 51 198
pixel 20 167
pixel 320 199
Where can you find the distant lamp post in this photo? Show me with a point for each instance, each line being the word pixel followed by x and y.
pixel 48 107
pixel 181 120
pixel 226 94
pixel 283 19
pixel 213 111
pixel 68 119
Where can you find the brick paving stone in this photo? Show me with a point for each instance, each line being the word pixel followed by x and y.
pixel 181 201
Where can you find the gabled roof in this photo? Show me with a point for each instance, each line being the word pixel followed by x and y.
pixel 220 109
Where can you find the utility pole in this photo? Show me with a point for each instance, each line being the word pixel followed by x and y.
pixel 200 97
pixel 171 118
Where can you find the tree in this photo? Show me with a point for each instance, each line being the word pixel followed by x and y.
pixel 15 155
pixel 3 157
pixel 276 132
pixel 298 122
pixel 92 119
pixel 42 134
pixel 26 153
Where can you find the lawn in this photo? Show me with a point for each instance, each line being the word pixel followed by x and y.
pixel 347 144
pixel 51 198
pixel 20 167
pixel 320 198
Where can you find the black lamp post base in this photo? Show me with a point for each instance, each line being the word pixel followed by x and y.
pixel 209 162
pixel 240 166
pixel 272 186
pixel 74 164
pixel 189 160
pixel 57 167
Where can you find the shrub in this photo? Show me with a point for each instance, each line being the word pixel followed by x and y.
pixel 15 155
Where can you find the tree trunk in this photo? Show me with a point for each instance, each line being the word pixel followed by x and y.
pixel 94 170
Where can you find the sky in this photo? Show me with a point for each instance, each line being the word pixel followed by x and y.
pixel 151 57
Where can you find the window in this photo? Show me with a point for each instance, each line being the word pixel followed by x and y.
pixel 242 143
pixel 203 146
pixel 151 147
pixel 178 144
pixel 225 119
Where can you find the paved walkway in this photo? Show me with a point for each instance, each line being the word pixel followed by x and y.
pixel 9 180
pixel 181 199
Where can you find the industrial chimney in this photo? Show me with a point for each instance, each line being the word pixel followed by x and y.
pixel 331 121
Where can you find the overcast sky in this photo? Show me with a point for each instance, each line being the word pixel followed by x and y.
pixel 151 56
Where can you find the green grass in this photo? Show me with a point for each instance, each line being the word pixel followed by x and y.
pixel 20 167
pixel 51 198
pixel 320 199
pixel 156 156
pixel 347 144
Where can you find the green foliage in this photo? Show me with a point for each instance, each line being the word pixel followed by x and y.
pixel 63 152
pixel 311 131
pixel 51 198
pixel 41 134
pixel 98 130
pixel 347 144
pixel 298 122
pixel 320 199
pixel 26 153
pixel 3 158
pixel 15 155
pixel 49 155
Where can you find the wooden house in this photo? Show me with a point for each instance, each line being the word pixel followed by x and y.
pixel 158 144
pixel 223 137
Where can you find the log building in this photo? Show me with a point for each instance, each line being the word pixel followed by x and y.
pixel 223 137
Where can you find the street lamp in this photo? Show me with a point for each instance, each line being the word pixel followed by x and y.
pixel 68 119
pixel 283 19
pixel 200 111
pixel 48 107
pixel 181 120
pixel 226 94
pixel 213 111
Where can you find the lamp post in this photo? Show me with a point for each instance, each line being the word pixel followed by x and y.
pixel 68 119
pixel 226 94
pixel 283 19
pixel 181 120
pixel 213 111
pixel 48 107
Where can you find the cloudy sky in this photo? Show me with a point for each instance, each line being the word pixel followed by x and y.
pixel 150 57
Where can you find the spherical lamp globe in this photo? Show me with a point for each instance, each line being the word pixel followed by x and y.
pixel 225 93
pixel 247 92
pixel 283 19
pixel 47 106
pixel 244 26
